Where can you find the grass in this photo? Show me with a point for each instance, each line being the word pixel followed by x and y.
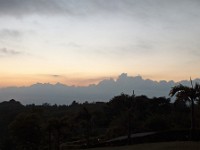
pixel 157 146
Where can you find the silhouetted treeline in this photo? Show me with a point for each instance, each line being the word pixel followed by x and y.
pixel 52 127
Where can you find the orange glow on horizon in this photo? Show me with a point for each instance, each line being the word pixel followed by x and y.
pixel 84 80
pixel 28 80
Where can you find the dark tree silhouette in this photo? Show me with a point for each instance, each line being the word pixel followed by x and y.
pixel 130 111
pixel 87 117
pixel 187 94
pixel 54 128
pixel 26 131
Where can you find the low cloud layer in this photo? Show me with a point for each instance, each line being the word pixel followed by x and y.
pixel 105 90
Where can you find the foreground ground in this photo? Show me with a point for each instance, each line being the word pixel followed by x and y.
pixel 157 146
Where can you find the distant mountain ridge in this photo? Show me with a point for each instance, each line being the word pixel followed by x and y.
pixel 59 93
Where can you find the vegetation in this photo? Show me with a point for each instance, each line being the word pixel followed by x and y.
pixel 55 127
pixel 187 94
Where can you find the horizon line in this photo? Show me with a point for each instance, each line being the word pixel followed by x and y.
pixel 115 79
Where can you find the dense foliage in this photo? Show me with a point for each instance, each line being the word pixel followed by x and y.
pixel 52 126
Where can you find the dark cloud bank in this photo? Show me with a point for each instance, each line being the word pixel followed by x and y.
pixel 104 91
pixel 87 7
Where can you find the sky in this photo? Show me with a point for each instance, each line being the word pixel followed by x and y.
pixel 82 42
pixel 104 91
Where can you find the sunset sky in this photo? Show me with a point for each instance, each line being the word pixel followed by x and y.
pixel 80 42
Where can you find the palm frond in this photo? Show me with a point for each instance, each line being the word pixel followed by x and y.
pixel 177 89
pixel 197 87
pixel 183 96
pixel 197 91
pixel 186 93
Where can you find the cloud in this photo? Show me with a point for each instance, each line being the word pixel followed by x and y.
pixel 49 7
pixel 10 33
pixel 143 10
pixel 103 91
pixel 9 52
pixel 56 76
pixel 51 75
pixel 24 7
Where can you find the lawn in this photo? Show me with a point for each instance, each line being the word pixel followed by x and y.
pixel 157 146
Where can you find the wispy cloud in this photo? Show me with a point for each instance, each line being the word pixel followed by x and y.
pixel 9 52
pixel 56 76
pixel 10 33
pixel 51 75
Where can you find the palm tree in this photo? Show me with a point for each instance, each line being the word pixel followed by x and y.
pixel 187 94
